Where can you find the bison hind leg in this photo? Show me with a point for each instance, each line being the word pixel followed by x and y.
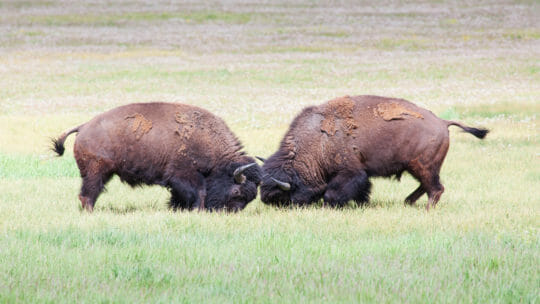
pixel 435 191
pixel 429 183
pixel 91 188
pixel 415 195
pixel 95 174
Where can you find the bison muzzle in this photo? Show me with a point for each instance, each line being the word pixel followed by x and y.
pixel 184 148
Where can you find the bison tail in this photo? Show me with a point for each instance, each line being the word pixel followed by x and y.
pixel 480 133
pixel 58 143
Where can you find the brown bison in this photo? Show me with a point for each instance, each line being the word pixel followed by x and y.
pixel 332 150
pixel 181 147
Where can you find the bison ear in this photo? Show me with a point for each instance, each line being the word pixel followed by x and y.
pixel 239 177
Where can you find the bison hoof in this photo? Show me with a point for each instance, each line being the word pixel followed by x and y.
pixel 86 203
pixel 410 203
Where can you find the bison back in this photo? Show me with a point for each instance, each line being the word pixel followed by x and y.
pixel 376 134
pixel 149 142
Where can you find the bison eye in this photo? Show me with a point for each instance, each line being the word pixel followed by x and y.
pixel 235 192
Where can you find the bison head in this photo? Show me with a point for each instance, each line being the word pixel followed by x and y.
pixel 282 185
pixel 232 187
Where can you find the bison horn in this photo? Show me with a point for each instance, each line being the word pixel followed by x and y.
pixel 240 178
pixel 261 159
pixel 282 185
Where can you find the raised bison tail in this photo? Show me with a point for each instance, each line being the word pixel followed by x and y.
pixel 58 143
pixel 480 133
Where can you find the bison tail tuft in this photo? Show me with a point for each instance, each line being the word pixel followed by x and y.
pixel 58 146
pixel 58 143
pixel 479 133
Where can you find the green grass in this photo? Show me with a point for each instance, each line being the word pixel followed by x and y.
pixel 19 166
pixel 177 260
pixel 256 67
pixel 478 245
pixel 503 109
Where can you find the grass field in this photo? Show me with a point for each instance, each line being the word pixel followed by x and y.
pixel 257 65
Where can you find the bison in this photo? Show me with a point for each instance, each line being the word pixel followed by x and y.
pixel 184 148
pixel 330 151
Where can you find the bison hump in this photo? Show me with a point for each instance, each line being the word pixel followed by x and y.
pixel 339 115
pixel 394 110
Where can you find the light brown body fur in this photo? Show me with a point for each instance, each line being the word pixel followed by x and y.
pixel 172 145
pixel 345 138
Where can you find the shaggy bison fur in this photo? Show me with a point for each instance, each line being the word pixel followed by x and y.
pixel 184 148
pixel 330 151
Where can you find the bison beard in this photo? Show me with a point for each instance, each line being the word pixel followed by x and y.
pixel 184 148
pixel 330 151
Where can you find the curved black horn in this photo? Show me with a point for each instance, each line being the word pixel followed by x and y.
pixel 261 159
pixel 240 178
pixel 282 185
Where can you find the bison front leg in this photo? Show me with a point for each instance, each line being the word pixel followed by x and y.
pixel 187 193
pixel 179 199
pixel 347 186
pixel 202 197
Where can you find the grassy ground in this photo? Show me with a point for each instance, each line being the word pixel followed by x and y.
pixel 256 66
